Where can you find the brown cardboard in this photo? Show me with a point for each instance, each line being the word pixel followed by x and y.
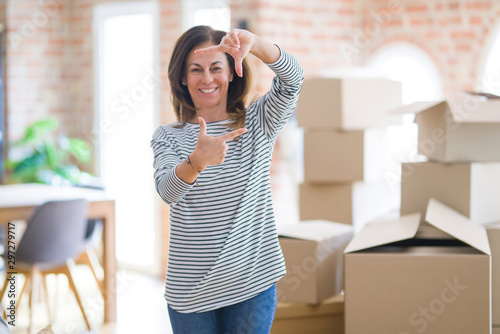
pixel 350 203
pixel 300 318
pixel 313 252
pixel 459 130
pixel 473 189
pixel 427 286
pixel 337 156
pixel 348 103
pixel 495 330
pixel 494 239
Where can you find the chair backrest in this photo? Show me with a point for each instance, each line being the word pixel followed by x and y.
pixel 54 233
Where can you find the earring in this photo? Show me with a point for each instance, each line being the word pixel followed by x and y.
pixel 231 80
pixel 184 83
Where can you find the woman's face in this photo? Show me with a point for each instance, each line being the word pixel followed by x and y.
pixel 207 77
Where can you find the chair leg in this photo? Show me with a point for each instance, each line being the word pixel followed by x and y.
pixel 26 281
pixel 47 301
pixel 67 272
pixel 89 257
pixel 32 290
pixel 56 295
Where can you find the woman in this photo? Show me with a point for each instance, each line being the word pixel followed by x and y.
pixel 213 167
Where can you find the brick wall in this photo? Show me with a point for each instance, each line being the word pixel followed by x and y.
pixel 453 33
pixel 312 31
pixel 50 69
pixel 36 58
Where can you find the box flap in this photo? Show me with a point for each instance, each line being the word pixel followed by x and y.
pixel 416 107
pixel 385 232
pixel 475 110
pixel 429 232
pixel 482 94
pixel 314 230
pixel 457 225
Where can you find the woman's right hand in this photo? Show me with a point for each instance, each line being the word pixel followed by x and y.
pixel 211 150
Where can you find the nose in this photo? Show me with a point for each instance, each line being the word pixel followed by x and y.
pixel 207 77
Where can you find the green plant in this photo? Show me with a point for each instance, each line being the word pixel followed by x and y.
pixel 46 156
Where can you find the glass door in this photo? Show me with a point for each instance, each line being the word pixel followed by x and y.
pixel 127 85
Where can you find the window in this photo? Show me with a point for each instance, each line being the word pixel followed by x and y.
pixel 421 81
pixel 489 79
pixel 215 14
pixel 413 67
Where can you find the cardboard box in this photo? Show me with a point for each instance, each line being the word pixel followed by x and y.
pixel 494 239
pixel 473 189
pixel 460 130
pixel 397 281
pixel 300 318
pixel 350 203
pixel 335 156
pixel 348 103
pixel 495 330
pixel 313 254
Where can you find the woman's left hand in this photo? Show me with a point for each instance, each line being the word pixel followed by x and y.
pixel 237 43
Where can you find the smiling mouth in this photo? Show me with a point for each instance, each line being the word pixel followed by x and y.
pixel 208 91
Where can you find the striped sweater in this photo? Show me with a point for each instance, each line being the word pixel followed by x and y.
pixel 223 243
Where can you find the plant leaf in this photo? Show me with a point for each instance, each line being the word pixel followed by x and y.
pixel 38 131
pixel 79 149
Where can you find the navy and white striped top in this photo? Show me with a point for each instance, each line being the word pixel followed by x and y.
pixel 223 243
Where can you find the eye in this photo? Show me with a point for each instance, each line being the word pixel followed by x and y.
pixel 195 69
pixel 216 69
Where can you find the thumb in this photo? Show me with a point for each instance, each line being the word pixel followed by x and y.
pixel 203 126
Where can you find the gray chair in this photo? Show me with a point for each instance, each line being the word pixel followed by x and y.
pixel 53 237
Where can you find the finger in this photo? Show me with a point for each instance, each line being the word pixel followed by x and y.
pixel 203 126
pixel 217 48
pixel 228 41
pixel 233 35
pixel 228 46
pixel 209 49
pixel 238 67
pixel 233 134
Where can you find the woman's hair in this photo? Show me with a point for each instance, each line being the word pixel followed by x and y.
pixel 181 99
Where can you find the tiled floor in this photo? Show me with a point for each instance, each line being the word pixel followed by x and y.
pixel 141 307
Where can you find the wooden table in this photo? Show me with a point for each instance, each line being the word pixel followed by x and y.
pixel 18 201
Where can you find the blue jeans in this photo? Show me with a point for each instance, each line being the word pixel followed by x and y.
pixel 252 316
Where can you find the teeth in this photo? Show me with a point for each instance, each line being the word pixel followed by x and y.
pixel 208 91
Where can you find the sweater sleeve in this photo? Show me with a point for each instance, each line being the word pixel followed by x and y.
pixel 166 158
pixel 275 108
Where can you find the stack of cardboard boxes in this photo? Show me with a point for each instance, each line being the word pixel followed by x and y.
pixel 344 152
pixel 431 267
pixel 435 269
pixel 344 148
pixel 461 138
